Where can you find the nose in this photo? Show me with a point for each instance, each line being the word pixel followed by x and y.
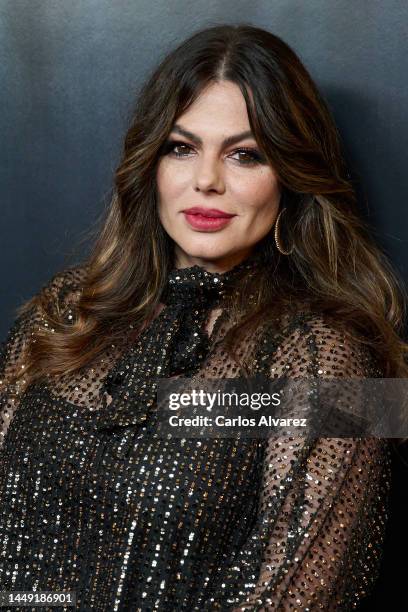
pixel 209 174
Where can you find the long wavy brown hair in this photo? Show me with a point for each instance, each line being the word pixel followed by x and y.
pixel 335 265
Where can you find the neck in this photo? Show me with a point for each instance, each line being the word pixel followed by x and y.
pixel 214 265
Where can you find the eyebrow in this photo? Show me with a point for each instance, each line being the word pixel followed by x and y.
pixel 230 140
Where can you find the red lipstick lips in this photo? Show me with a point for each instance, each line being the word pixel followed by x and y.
pixel 209 219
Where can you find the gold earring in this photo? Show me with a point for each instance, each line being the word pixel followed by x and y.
pixel 277 240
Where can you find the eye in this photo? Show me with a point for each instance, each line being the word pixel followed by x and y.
pixel 170 146
pixel 247 155
pixel 251 156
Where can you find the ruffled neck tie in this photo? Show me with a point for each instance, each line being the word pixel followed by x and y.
pixel 190 295
pixel 175 343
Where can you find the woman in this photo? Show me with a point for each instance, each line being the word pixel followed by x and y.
pixel 281 280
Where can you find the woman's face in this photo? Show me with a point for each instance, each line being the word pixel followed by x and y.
pixel 199 169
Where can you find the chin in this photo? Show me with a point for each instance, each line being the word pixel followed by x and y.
pixel 205 252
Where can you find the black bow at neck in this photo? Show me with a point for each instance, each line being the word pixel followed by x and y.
pixel 195 284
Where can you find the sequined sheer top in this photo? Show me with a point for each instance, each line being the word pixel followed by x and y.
pixel 93 501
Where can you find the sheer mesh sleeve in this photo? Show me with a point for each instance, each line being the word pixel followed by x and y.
pixel 317 542
pixel 13 349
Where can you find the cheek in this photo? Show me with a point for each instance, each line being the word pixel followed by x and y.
pixel 260 194
pixel 165 190
pixel 171 179
pixel 162 179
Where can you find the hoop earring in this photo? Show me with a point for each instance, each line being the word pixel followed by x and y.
pixel 277 240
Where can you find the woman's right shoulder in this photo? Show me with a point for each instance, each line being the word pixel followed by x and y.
pixel 66 281
pixel 53 300
pixel 61 290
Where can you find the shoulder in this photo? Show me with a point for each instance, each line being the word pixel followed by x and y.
pixel 54 296
pixel 51 302
pixel 312 343
pixel 65 282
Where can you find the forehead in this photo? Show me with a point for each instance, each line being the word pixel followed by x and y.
pixel 221 105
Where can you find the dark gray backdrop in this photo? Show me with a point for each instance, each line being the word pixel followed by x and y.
pixel 69 70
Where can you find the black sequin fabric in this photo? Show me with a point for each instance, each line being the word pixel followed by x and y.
pixel 93 501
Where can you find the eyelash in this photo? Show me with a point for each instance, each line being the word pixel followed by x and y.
pixel 170 145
